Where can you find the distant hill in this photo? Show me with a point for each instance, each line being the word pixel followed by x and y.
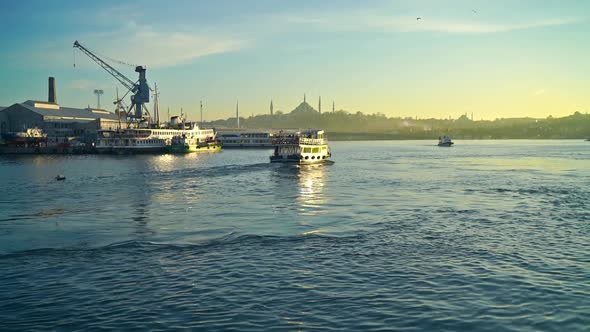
pixel 345 125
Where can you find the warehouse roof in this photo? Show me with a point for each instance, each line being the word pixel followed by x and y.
pixel 57 112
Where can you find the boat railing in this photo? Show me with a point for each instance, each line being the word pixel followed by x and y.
pixel 296 140
pixel 311 141
pixel 285 140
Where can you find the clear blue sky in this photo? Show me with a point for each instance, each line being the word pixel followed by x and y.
pixel 493 58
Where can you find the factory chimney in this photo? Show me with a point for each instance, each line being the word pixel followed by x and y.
pixel 52 96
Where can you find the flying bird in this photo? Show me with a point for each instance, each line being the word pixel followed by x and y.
pixel 474 11
pixel 418 18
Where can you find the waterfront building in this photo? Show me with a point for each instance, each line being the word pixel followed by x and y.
pixel 60 124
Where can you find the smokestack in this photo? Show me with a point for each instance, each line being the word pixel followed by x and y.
pixel 52 96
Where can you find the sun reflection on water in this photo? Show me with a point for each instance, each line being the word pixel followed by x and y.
pixel 311 182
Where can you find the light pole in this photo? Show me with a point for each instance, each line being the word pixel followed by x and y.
pixel 98 92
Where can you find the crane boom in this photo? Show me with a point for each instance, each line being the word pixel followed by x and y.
pixel 140 90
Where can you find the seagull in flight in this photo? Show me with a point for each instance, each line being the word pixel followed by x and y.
pixel 418 18
pixel 474 11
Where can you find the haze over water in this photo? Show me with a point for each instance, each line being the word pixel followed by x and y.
pixel 486 235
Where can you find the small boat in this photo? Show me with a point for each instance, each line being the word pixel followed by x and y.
pixel 305 147
pixel 186 144
pixel 445 141
pixel 60 177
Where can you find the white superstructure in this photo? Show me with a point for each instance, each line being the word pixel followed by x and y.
pixel 246 139
pixel 305 147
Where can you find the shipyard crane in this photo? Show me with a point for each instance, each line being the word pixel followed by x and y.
pixel 140 89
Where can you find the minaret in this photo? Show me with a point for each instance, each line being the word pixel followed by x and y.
pixel 238 113
pixel 320 105
pixel 333 107
pixel 201 113
pixel 304 99
pixel 271 113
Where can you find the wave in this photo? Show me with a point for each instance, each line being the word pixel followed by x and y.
pixel 148 246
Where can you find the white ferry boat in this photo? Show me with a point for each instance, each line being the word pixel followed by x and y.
pixel 146 140
pixel 445 141
pixel 246 139
pixel 305 147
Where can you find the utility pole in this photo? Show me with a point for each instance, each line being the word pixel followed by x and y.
pixel 98 92
pixel 201 113
pixel 238 113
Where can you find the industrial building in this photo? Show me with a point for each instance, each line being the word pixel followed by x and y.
pixel 61 125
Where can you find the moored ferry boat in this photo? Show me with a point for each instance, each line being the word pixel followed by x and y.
pixel 146 140
pixel 186 144
pixel 305 147
pixel 252 139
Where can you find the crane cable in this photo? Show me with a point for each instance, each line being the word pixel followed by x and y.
pixel 106 57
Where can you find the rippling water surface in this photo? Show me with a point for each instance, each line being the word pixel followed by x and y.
pixel 487 236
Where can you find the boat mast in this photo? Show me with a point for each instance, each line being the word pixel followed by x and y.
pixel 156 105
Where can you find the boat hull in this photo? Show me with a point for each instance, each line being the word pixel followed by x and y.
pixel 446 145
pixel 130 150
pixel 192 148
pixel 297 160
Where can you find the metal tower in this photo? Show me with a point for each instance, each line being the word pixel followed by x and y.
pixel 98 93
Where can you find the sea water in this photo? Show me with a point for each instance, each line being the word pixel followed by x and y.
pixel 398 235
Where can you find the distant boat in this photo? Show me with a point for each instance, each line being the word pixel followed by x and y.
pixel 60 177
pixel 445 141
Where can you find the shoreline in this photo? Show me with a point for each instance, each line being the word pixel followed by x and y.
pixel 8 151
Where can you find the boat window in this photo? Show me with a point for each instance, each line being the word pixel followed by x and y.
pixel 316 150
pixel 306 150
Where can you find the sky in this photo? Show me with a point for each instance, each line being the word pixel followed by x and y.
pixel 495 59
